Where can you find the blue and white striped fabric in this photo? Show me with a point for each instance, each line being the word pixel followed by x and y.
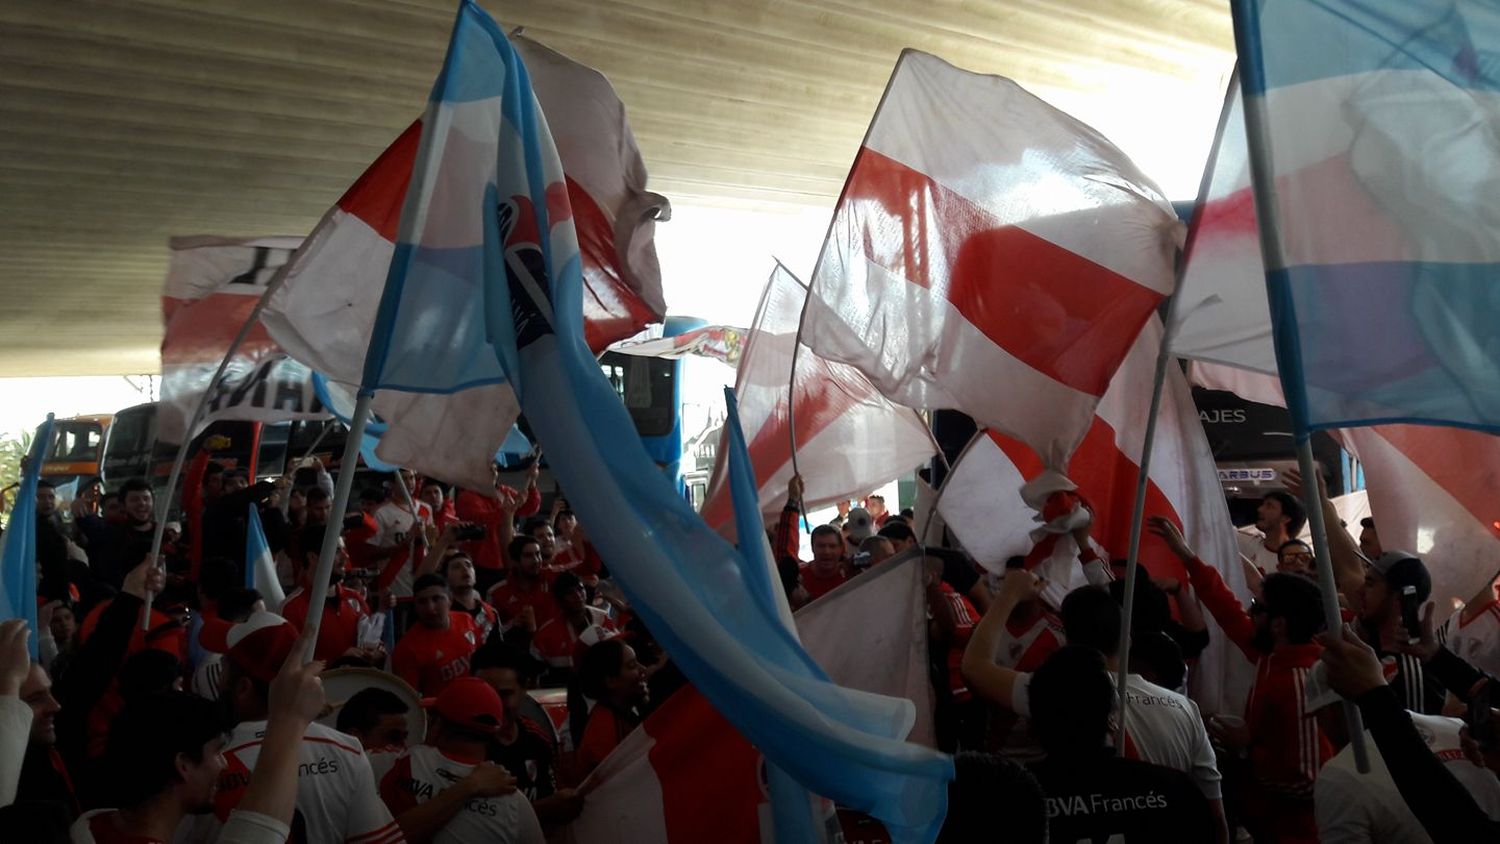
pixel 1380 123
pixel 260 566
pixel 687 583
pixel 18 557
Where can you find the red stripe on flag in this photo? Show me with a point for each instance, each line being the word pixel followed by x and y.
pixel 1058 312
pixel 720 806
pixel 1106 479
pixel 377 195
pixel 1462 462
pixel 822 397
pixel 611 310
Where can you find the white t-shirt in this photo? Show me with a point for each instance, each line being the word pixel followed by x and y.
pixel 1354 807
pixel 243 828
pixel 208 676
pixel 1253 545
pixel 1162 727
pixel 393 520
pixel 423 772
pixel 336 796
pixel 1478 642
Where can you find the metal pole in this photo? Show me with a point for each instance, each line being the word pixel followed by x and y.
pixel 1333 617
pixel 318 589
pixel 1263 182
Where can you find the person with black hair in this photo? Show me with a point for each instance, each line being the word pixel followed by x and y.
pixel 226 518
pixel 983 783
pixel 436 650
pixel 1394 579
pixel 1296 557
pixel 165 758
pixel 1162 726
pixel 522 746
pixel 557 641
pixel 458 568
pixel 1093 793
pixel 828 570
pixel 610 675
pixel 1369 538
pixel 1279 517
pixel 442 791
pixel 524 600
pixel 128 543
pixel 1279 735
pixel 377 718
pixel 234 605
pixel 344 609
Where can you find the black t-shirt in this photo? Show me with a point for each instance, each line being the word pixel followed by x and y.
pixel 1109 799
pixel 529 759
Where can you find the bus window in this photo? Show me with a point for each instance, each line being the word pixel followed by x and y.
pixel 127 449
pixel 272 457
pixel 647 386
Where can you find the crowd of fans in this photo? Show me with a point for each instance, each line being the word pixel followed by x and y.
pixel 204 724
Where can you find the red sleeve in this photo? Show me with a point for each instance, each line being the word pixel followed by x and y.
pixel 532 505
pixel 397 798
pixel 1223 606
pixel 295 611
pixel 787 541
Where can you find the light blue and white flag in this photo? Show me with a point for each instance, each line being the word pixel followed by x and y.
pixel 1374 134
pixel 18 557
pixel 686 582
pixel 260 566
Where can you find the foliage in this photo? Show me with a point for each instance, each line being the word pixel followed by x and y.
pixel 13 449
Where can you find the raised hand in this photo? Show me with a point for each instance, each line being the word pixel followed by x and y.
pixel 15 658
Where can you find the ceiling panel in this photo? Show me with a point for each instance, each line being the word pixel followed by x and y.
pixel 125 123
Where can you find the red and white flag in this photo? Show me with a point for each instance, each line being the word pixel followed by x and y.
pixel 213 283
pixel 990 254
pixel 1430 489
pixel 655 786
pixel 325 309
pixel 850 439
pixel 982 506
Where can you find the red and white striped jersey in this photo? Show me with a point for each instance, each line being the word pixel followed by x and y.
pixel 1026 645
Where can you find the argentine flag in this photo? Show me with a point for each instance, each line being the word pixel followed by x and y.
pixel 1374 134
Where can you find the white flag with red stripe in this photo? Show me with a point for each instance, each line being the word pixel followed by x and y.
pixel 990 254
pixel 850 439
pixel 1430 489
pixel 655 786
pixel 212 286
pixel 324 311
pixel 982 506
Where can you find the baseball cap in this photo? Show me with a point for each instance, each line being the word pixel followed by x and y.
pixel 1401 569
pixel 860 524
pixel 258 646
pixel 470 703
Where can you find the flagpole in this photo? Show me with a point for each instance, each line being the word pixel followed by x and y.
pixel 318 588
pixel 1158 386
pixel 1263 184
pixel 165 505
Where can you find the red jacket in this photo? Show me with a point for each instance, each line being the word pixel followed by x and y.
pixel 481 509
pixel 1287 747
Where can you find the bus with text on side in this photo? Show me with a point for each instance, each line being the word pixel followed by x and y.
pixel 74 454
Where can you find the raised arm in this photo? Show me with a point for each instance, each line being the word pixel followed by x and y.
pixel 990 681
pixel 1221 602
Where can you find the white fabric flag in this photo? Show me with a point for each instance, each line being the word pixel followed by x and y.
pixel 850 439
pixel 870 635
pixel 325 310
pixel 982 505
pixel 212 286
pixel 989 246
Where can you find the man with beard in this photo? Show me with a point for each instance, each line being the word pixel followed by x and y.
pixel 165 756
pixel 129 542
pixel 1279 735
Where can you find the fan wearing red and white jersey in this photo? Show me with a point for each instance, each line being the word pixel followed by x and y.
pixel 444 791
pixel 1473 633
pixel 336 796
pixel 557 641
pixel 436 650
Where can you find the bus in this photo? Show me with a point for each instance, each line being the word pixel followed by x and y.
pixel 132 451
pixel 73 455
pixel 651 389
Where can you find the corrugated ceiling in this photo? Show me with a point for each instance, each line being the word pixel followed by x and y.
pixel 125 123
